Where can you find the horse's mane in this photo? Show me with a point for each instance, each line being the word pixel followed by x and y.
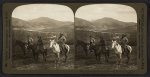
pixel 81 42
pixel 19 42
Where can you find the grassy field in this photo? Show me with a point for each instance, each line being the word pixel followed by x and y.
pixel 76 58
pixel 28 63
pixel 90 63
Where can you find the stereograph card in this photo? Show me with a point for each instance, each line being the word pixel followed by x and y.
pixel 74 38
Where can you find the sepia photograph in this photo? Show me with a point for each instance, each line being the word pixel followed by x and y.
pixel 74 38
pixel 106 37
pixel 43 37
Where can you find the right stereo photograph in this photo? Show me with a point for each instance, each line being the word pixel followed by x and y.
pixel 106 37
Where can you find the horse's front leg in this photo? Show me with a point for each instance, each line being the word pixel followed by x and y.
pixel 66 56
pixel 99 55
pixel 44 56
pixel 120 58
pixel 36 56
pixel 57 59
pixel 106 57
pixel 118 61
pixel 86 52
pixel 24 52
pixel 128 57
pixel 96 54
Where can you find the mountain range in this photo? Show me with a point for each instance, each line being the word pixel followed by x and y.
pixel 40 24
pixel 105 25
pixel 45 24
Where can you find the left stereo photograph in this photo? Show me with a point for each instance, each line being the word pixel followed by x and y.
pixel 41 38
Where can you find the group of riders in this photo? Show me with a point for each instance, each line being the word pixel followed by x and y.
pixel 61 40
pixel 123 41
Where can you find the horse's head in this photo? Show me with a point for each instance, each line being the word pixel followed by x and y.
pixel 26 46
pixel 52 42
pixel 88 46
pixel 114 43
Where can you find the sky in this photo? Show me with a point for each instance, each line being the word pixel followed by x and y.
pixel 54 11
pixel 97 11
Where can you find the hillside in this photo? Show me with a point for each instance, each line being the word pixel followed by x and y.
pixel 48 22
pixel 102 24
pixel 127 29
pixel 38 24
pixel 81 24
pixel 18 23
pixel 110 23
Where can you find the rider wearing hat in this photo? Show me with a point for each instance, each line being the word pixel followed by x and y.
pixel 62 40
pixel 92 43
pixel 124 41
pixel 40 43
pixel 29 42
pixel 102 42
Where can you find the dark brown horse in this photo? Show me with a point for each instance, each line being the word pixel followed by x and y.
pixel 97 48
pixel 22 46
pixel 84 45
pixel 99 51
pixel 40 50
pixel 31 48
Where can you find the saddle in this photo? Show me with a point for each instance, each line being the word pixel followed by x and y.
pixel 91 47
pixel 125 49
pixel 62 48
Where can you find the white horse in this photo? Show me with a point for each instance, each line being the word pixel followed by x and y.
pixel 55 49
pixel 54 46
pixel 118 50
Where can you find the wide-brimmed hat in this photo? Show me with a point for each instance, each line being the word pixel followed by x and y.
pixel 53 37
pixel 61 34
pixel 114 38
pixel 124 34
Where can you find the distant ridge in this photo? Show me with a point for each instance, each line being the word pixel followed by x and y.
pixel 38 23
pixel 103 24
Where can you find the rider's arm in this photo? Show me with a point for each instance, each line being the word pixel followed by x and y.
pixel 31 39
pixel 127 40
pixel 64 39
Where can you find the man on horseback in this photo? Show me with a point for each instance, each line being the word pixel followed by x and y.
pixel 92 43
pixel 102 44
pixel 62 40
pixel 104 49
pixel 40 44
pixel 29 42
pixel 124 42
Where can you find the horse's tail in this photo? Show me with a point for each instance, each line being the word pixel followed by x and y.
pixel 67 47
pixel 129 48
